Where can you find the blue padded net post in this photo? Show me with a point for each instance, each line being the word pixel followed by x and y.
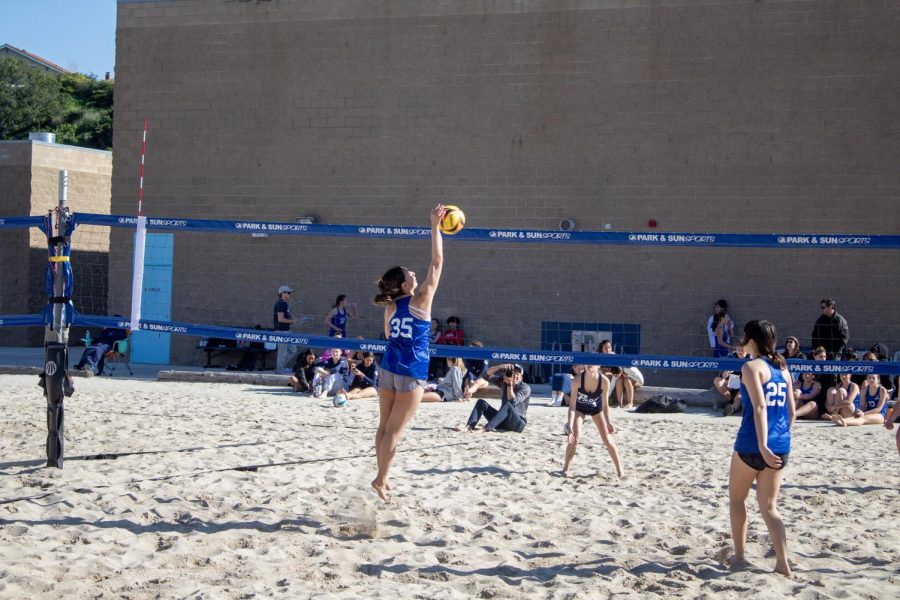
pixel 57 317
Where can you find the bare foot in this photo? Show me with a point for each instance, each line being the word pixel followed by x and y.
pixel 735 563
pixel 466 429
pixel 784 569
pixel 838 420
pixel 621 474
pixel 564 473
pixel 381 490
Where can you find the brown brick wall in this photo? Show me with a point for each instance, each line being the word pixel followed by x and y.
pixel 29 185
pixel 728 117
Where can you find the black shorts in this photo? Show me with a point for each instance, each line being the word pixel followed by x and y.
pixel 588 411
pixel 755 461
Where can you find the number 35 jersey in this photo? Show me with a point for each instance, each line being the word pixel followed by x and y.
pixel 778 434
pixel 407 351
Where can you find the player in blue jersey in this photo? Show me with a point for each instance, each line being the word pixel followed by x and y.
pixel 404 367
pixel 873 405
pixel 336 319
pixel 763 441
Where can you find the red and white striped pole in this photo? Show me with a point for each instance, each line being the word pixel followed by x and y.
pixel 140 239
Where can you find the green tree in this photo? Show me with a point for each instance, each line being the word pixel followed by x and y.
pixel 86 115
pixel 30 99
pixel 77 108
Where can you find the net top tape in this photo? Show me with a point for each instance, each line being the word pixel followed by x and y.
pixel 495 355
pixel 531 236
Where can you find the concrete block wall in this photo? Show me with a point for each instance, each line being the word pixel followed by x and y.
pixel 713 117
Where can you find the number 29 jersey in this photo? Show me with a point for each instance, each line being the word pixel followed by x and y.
pixel 407 351
pixel 777 416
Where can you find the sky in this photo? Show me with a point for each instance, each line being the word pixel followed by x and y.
pixel 79 35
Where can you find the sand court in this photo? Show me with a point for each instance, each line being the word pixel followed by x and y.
pixel 211 490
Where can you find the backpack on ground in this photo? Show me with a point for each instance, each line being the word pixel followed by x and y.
pixel 662 404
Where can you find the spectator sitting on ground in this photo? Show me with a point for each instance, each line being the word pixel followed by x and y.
pixel 842 400
pixel 304 372
pixel 365 378
pixel 825 380
pixel 883 354
pixel 332 376
pixel 830 330
pixel 450 389
pixel 453 335
pixel 872 406
pixel 805 393
pixel 728 384
pixel 514 398
pixel 625 380
pixel 93 359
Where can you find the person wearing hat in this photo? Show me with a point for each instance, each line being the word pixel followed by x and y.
pixel 282 321
pixel 514 397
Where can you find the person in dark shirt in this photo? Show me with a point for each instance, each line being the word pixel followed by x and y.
pixel 282 321
pixel 831 330
pixel 304 372
pixel 365 378
pixel 515 395
pixel 93 359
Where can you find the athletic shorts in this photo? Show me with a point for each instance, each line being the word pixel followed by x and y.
pixel 398 383
pixel 588 411
pixel 755 461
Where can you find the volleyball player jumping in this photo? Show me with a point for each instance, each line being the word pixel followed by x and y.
pixel 404 367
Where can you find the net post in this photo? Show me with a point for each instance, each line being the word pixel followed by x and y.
pixel 54 379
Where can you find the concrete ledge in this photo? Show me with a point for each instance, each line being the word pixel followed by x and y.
pixel 251 378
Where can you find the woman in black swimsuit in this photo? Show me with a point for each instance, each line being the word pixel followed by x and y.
pixel 590 398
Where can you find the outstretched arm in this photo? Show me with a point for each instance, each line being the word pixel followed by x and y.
pixel 426 291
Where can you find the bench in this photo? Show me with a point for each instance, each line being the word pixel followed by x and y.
pixel 215 347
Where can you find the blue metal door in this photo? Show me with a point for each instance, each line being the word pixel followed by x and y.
pixel 150 347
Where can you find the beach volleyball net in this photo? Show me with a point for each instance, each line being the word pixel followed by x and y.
pixel 218 279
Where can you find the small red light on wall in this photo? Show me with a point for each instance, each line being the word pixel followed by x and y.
pixel 651 223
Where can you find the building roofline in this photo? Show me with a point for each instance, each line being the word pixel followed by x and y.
pixel 64 146
pixel 26 54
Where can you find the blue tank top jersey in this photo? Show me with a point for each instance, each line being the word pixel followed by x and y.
pixel 805 391
pixel 407 352
pixel 721 350
pixel 872 401
pixel 777 416
pixel 339 320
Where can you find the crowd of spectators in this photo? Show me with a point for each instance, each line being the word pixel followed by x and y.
pixel 843 398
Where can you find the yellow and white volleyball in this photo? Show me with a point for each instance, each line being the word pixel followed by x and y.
pixel 454 220
pixel 339 399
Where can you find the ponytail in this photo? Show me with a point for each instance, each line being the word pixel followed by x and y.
pixel 762 333
pixel 390 286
